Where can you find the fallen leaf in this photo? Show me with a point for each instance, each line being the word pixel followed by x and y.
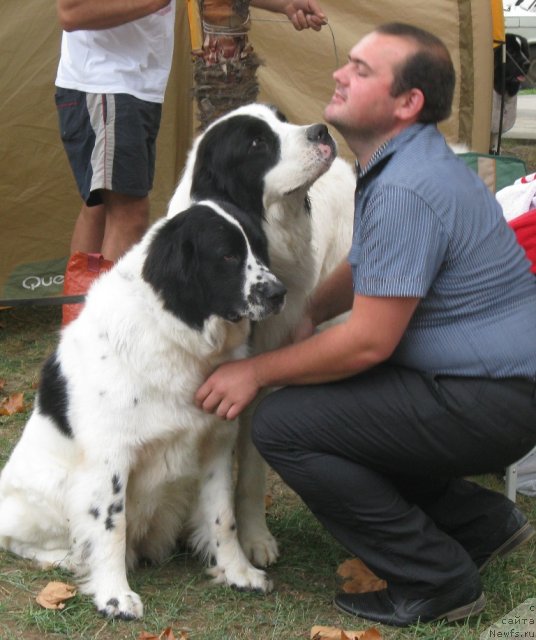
pixel 358 578
pixel 53 596
pixel 2 383
pixel 334 633
pixel 371 634
pixel 167 634
pixel 268 501
pixel 13 404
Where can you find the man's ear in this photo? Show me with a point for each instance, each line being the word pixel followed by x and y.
pixel 410 105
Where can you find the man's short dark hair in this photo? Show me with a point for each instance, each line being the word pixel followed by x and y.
pixel 430 69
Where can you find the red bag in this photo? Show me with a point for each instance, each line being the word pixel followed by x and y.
pixel 524 227
pixel 82 269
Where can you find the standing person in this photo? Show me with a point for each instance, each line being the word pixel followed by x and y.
pixel 112 75
pixel 431 377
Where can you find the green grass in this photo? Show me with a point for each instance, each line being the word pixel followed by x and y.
pixel 179 594
pixel 524 149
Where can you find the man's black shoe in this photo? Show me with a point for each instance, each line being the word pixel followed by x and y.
pixel 389 608
pixel 515 531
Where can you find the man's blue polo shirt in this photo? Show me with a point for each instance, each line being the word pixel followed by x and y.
pixel 426 226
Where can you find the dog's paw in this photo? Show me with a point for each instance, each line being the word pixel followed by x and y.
pixel 124 606
pixel 259 545
pixel 243 578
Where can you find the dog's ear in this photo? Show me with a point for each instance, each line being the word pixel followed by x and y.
pixel 524 44
pixel 279 114
pixel 217 175
pixel 207 182
pixel 518 47
pixel 170 253
pixel 171 268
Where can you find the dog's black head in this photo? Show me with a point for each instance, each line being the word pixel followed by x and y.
pixel 516 66
pixel 212 260
pixel 233 153
pixel 252 156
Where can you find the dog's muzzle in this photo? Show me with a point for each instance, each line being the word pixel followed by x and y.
pixel 319 134
pixel 266 298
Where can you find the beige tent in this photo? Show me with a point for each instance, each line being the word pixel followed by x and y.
pixel 38 197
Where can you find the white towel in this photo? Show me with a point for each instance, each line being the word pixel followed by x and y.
pixel 518 198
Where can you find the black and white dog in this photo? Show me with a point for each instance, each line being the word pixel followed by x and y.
pixel 116 462
pixel 288 178
pixel 516 65
pixel 508 76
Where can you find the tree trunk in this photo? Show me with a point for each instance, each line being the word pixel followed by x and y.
pixel 225 66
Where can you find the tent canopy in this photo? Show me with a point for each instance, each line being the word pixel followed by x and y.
pixel 38 197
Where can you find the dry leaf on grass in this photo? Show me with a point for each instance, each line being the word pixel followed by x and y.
pixel 334 633
pixel 13 404
pixel 53 596
pixel 358 578
pixel 167 634
pixel 2 383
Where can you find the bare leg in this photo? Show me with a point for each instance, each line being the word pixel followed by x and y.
pixel 127 219
pixel 89 229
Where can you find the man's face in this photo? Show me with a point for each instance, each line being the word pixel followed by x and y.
pixel 362 104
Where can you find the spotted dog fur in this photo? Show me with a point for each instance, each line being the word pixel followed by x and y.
pixel 116 462
pixel 287 178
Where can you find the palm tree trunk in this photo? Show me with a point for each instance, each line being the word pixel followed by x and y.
pixel 225 66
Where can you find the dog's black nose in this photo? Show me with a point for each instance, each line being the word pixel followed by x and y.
pixel 318 133
pixel 275 293
pixel 270 295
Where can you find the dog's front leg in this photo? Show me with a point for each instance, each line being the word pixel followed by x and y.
pixel 96 511
pixel 258 543
pixel 215 530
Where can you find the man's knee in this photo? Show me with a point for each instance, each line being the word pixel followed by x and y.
pixel 120 204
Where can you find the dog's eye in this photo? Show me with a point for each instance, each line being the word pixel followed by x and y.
pixel 257 143
pixel 231 258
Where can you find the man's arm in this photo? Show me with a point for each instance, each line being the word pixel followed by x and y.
pixel 368 337
pixel 103 14
pixel 303 14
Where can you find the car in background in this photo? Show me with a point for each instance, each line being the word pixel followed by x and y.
pixel 520 18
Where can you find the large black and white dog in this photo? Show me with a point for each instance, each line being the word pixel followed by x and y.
pixel 508 76
pixel 288 178
pixel 116 462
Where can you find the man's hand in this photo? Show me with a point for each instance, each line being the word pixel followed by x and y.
pixel 305 14
pixel 229 390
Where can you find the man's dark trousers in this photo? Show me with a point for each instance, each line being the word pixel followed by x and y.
pixel 380 457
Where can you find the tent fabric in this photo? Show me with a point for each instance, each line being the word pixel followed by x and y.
pixel 39 201
pixel 298 65
pixel 38 198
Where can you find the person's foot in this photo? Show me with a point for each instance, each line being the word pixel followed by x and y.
pixel 508 536
pixel 388 607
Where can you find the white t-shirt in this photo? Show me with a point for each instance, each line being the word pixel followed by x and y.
pixel 133 58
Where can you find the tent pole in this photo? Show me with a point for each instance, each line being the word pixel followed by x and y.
pixel 503 91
